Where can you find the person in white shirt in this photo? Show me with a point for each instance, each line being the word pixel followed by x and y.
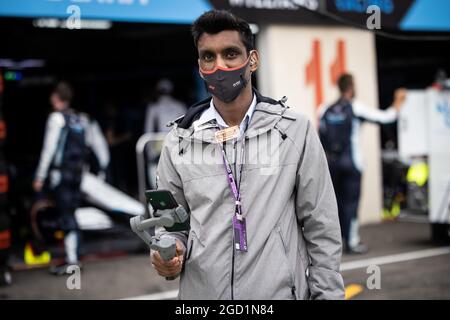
pixel 164 110
pixel 68 136
pixel 340 126
pixel 158 115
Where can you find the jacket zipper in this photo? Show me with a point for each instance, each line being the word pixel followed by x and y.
pixel 233 250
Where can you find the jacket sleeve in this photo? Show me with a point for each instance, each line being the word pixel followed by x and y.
pixel 317 214
pixel 169 179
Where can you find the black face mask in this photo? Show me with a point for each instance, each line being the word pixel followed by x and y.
pixel 225 83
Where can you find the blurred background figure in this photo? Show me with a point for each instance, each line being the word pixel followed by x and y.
pixel 158 115
pixel 68 136
pixel 339 129
pixel 165 109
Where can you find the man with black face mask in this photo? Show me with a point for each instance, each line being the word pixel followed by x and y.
pixel 254 178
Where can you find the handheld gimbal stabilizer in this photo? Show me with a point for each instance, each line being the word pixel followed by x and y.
pixel 166 246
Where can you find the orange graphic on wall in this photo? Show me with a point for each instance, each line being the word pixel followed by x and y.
pixel 339 65
pixel 314 73
pixel 314 69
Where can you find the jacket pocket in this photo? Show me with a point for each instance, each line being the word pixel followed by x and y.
pixel 190 247
pixel 303 263
pixel 284 253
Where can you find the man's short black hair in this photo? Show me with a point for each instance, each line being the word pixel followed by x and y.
pixel 64 91
pixel 345 82
pixel 215 21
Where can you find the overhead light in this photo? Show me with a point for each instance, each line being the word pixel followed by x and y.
pixel 52 23
pixel 30 63
pixel 23 64
pixel 7 63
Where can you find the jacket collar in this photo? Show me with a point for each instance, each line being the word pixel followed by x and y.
pixel 211 117
pixel 266 114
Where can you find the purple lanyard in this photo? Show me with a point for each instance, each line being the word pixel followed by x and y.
pixel 239 223
pixel 235 189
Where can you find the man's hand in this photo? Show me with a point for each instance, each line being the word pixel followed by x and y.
pixel 399 98
pixel 170 268
pixel 38 185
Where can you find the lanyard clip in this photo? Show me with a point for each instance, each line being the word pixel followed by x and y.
pixel 238 210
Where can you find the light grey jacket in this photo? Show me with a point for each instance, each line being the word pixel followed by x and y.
pixel 293 232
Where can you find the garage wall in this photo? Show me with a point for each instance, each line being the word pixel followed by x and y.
pixel 302 62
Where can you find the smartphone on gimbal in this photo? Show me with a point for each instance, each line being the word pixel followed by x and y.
pixel 163 200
